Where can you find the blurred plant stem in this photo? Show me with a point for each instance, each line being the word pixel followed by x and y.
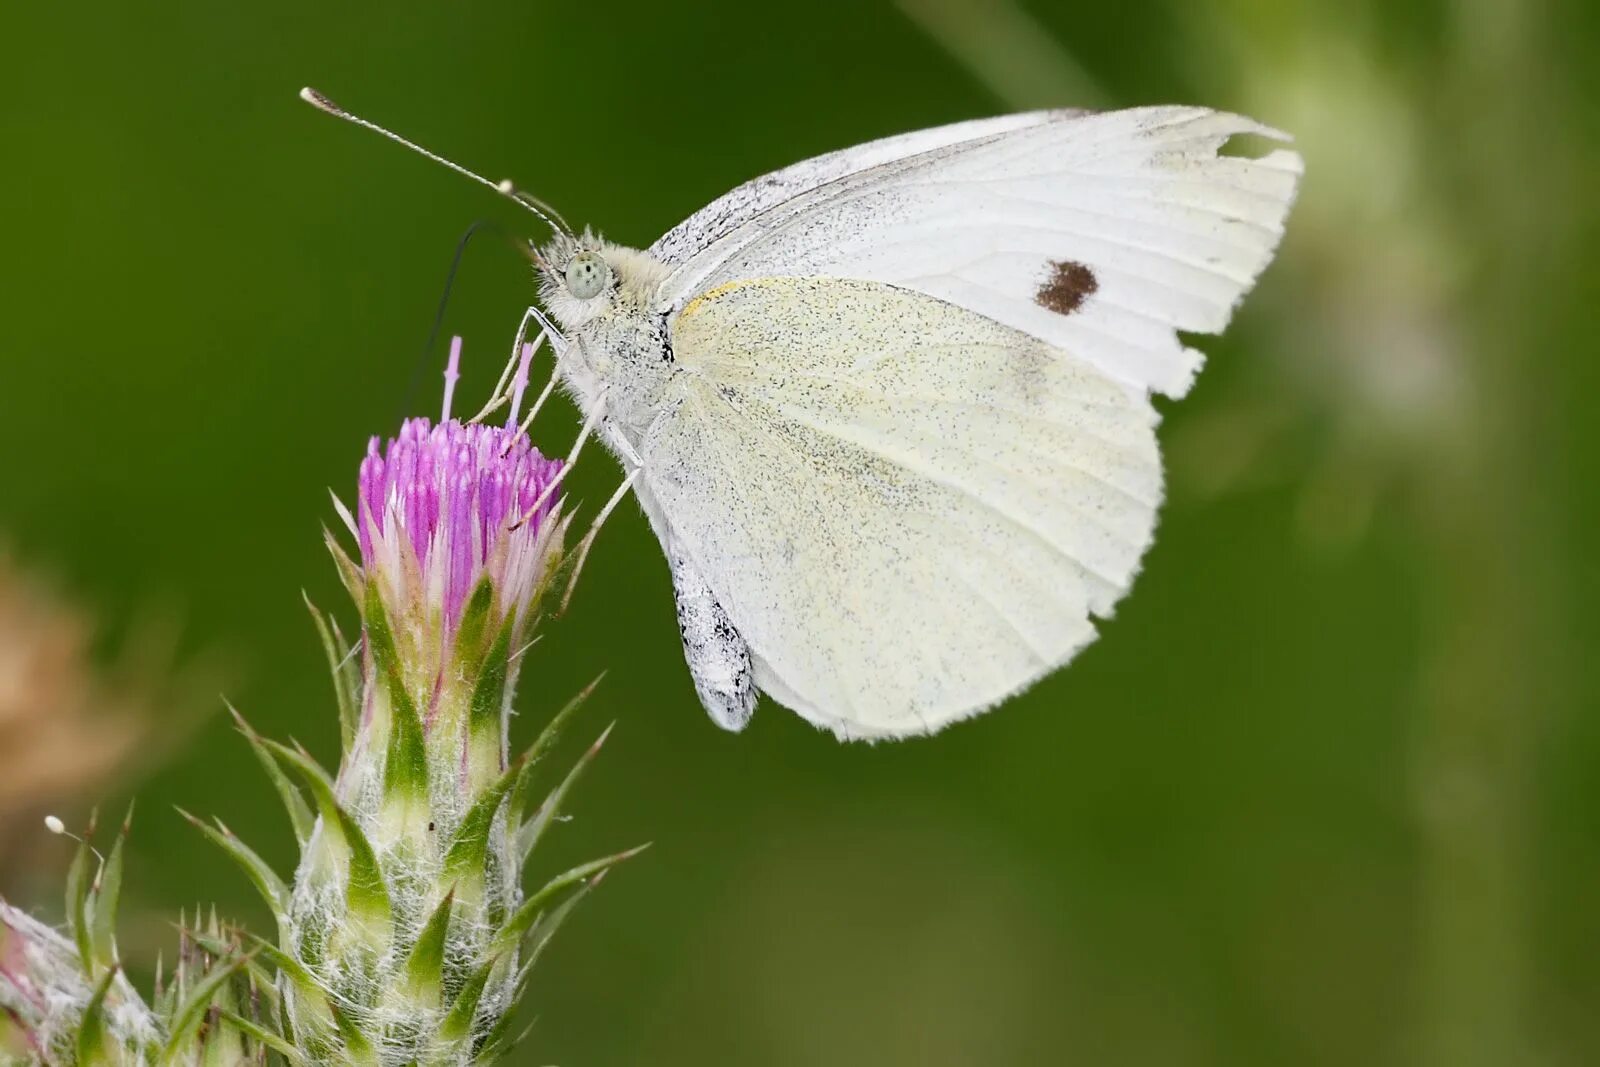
pixel 1008 51
pixel 1426 359
pixel 1494 679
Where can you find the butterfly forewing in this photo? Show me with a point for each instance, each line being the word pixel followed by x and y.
pixel 1102 234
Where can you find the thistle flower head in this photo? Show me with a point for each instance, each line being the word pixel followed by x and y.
pixel 443 508
pixel 459 530
pixel 407 913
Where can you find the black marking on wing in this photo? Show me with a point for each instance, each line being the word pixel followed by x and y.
pixel 1068 285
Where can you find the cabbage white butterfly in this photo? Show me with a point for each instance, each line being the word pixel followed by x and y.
pixel 888 409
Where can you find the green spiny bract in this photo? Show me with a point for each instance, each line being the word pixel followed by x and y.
pixel 406 936
pixel 66 1000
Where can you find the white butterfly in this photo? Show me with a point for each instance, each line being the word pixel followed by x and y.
pixel 888 410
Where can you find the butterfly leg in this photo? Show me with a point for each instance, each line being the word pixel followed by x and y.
pixel 558 341
pixel 719 659
pixel 594 531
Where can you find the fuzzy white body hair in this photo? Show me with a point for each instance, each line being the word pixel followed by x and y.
pixel 617 342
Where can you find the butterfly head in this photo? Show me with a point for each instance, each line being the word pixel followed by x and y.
pixel 586 278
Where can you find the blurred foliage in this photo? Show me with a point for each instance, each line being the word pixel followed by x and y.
pixel 77 721
pixel 1326 792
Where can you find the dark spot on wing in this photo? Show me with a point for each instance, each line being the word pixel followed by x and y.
pixel 1067 287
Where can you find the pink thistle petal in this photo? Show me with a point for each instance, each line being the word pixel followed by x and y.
pixel 452 375
pixel 519 384
pixel 441 507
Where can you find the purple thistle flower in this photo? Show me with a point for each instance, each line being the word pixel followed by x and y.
pixel 460 528
pixel 443 507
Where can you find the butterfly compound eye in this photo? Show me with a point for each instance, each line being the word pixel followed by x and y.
pixel 587 274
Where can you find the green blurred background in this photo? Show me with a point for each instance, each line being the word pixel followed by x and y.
pixel 1326 792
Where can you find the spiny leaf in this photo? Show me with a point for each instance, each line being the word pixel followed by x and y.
pixel 91 1041
pixel 339 662
pixel 262 1035
pixel 167 992
pixel 188 1014
pixel 78 903
pixel 352 670
pixel 464 862
pixel 545 929
pixel 262 876
pixel 425 966
pixel 282 960
pixel 474 624
pixel 107 894
pixel 488 694
pixel 380 640
pixel 349 573
pixel 218 947
pixel 497 1042
pixel 529 834
pixel 458 1023
pixel 293 801
pixel 366 893
pixel 312 996
pixel 541 746
pixel 405 769
pixel 357 1048
pixel 405 765
pixel 523 918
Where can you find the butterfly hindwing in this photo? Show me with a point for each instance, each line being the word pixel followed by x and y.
pixel 909 510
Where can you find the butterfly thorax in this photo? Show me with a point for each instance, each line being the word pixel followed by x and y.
pixel 617 343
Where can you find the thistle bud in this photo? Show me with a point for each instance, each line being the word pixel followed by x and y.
pixel 459 534
pixel 64 997
pixel 406 918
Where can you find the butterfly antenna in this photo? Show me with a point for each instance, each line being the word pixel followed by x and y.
pixel 533 203
pixel 415 381
pixel 504 188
